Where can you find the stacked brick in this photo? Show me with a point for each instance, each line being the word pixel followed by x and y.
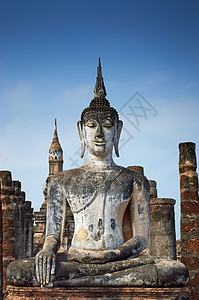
pixel 18 200
pixel 189 212
pixel 138 169
pixel 28 229
pixel 8 229
pixel 14 213
pixel 1 251
pixel 40 223
pixel 91 293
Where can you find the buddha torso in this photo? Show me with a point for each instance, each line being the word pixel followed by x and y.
pixel 98 200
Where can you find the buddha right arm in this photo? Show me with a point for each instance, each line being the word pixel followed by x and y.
pixel 45 259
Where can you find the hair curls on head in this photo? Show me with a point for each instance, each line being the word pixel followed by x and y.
pixel 100 105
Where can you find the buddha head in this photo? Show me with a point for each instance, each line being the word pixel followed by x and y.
pixel 100 127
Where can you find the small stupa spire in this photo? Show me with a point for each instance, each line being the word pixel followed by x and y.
pixel 99 90
pixel 55 154
pixel 55 142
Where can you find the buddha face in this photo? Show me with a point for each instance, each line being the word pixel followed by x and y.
pixel 99 130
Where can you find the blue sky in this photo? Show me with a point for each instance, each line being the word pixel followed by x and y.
pixel 48 57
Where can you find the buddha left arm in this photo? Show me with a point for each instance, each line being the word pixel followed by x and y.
pixel 139 211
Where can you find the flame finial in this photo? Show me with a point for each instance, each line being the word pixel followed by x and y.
pixel 99 90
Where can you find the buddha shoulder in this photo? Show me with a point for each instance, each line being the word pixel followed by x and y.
pixel 82 177
pixel 134 178
pixel 67 176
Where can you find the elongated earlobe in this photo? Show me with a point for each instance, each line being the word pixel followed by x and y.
pixel 116 144
pixel 81 135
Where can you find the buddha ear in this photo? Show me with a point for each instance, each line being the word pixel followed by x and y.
pixel 81 135
pixel 116 143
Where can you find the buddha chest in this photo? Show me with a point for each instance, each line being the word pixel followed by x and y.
pixel 98 202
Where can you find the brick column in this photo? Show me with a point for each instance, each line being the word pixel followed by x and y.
pixel 153 189
pixel 189 211
pixel 28 229
pixel 138 169
pixel 18 200
pixel 1 249
pixel 162 238
pixel 39 236
pixel 40 222
pixel 8 236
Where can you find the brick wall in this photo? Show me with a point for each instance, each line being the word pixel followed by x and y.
pixel 15 221
pixel 189 211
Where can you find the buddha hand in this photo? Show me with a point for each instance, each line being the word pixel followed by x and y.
pixel 45 265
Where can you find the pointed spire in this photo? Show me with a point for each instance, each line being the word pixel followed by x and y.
pixel 55 142
pixel 55 124
pixel 99 90
pixel 99 103
pixel 55 154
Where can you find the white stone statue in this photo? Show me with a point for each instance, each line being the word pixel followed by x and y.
pixel 98 194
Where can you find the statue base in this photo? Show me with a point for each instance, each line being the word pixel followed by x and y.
pixel 119 293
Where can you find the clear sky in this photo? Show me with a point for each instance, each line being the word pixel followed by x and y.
pixel 48 57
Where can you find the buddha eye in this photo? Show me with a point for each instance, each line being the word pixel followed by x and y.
pixel 91 123
pixel 108 123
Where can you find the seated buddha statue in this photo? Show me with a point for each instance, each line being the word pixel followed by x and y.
pixel 98 194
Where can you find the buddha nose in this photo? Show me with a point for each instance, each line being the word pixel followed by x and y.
pixel 99 132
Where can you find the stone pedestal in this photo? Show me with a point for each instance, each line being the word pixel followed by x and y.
pixel 111 293
pixel 162 238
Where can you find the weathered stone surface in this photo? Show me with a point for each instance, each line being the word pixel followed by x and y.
pixel 153 189
pixel 86 201
pixel 162 241
pixel 187 154
pixel 171 273
pixel 140 271
pixel 162 273
pixel 24 272
pixel 190 208
pixel 6 179
pixel 191 262
pixel 189 225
